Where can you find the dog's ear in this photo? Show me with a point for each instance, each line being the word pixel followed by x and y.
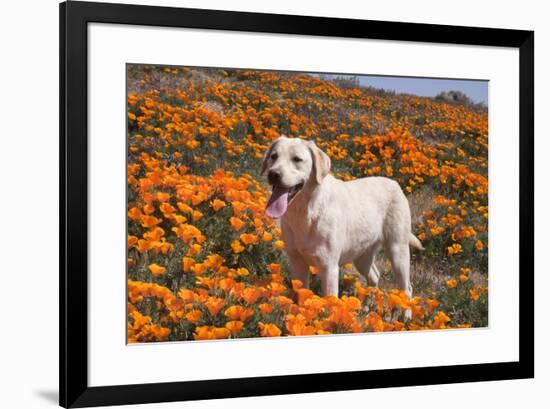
pixel 321 162
pixel 267 154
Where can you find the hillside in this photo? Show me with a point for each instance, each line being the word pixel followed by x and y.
pixel 200 242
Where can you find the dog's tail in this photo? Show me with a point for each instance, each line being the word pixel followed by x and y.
pixel 415 243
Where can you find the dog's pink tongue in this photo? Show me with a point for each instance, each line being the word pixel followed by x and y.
pixel 276 206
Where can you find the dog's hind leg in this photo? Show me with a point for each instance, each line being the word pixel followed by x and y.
pixel 374 275
pixel 365 265
pixel 400 258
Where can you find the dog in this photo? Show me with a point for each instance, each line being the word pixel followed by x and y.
pixel 327 222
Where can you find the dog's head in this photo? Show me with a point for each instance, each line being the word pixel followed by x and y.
pixel 291 164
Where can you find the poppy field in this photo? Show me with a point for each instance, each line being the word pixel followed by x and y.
pixel 205 261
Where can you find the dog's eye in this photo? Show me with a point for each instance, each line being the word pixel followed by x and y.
pixel 296 159
pixel 274 156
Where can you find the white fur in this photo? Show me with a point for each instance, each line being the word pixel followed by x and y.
pixel 331 222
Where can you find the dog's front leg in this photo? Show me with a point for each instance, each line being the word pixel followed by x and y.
pixel 329 278
pixel 299 269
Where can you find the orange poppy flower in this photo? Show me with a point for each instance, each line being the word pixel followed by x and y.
pixel 269 330
pixel 194 316
pixel 432 304
pixel 188 263
pixel 238 207
pixel 298 326
pixel 186 295
pixel 163 197
pixel 237 246
pixel 156 270
pixel 226 284
pixel 210 332
pixel 251 294
pixel 279 244
pixel 194 250
pixel 275 268
pixel 440 320
pixel 214 305
pixel 276 288
pixel 134 213
pixel 198 198
pixel 149 221
pixel 132 240
pixel 199 268
pixel 184 207
pixel 196 215
pixel 234 327
pixel 217 204
pixel 148 209
pixel 451 283
pixel 242 272
pixel 375 322
pixel 238 312
pixel 454 249
pixel 479 245
pixel 214 261
pixel 265 308
pixel 296 284
pixel 236 223
pixel 351 303
pixel 303 295
pixel 154 235
pixel 247 238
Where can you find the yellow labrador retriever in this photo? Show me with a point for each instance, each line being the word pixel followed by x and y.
pixel 327 222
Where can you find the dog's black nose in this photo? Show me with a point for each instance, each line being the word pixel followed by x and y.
pixel 274 177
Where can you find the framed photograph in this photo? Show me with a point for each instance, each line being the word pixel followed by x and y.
pixel 256 204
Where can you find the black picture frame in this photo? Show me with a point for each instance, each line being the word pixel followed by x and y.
pixel 73 380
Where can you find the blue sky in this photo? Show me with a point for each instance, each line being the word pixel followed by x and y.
pixel 477 90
